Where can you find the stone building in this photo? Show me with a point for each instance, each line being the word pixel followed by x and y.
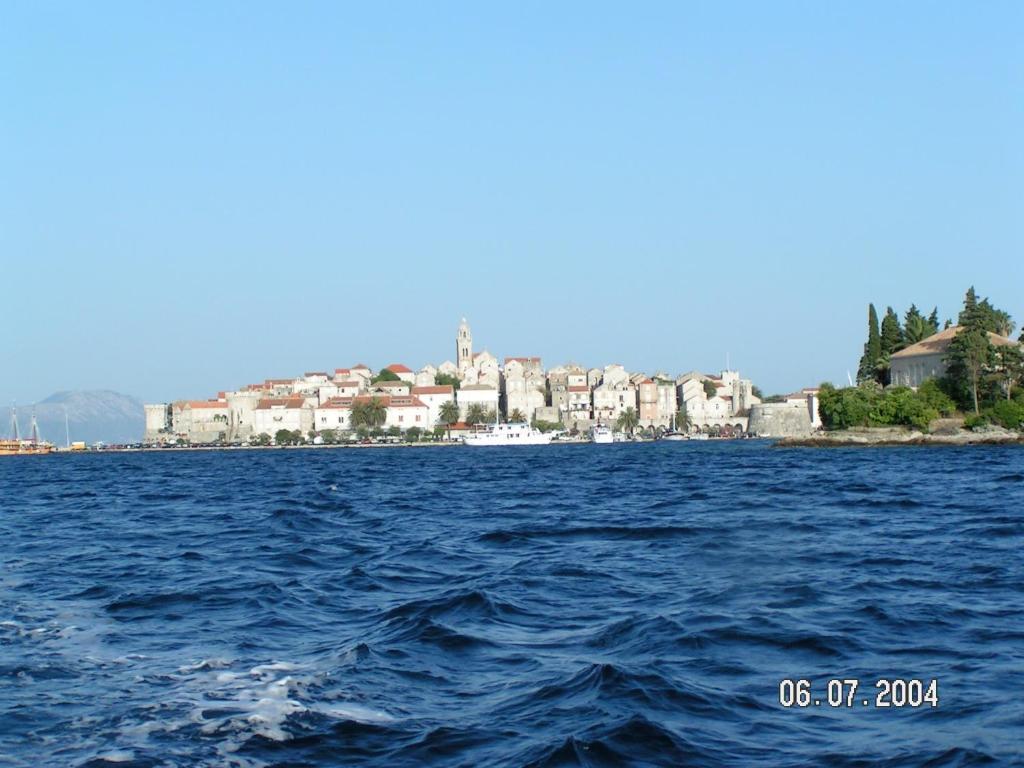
pixel 927 358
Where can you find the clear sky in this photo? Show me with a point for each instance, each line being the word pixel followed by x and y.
pixel 198 195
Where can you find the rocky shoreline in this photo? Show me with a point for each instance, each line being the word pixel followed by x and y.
pixel 889 436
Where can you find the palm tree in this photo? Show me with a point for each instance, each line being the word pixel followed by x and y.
pixel 449 414
pixel 476 414
pixel 628 420
pixel 516 417
pixel 369 413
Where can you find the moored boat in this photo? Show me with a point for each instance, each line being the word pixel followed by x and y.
pixel 600 433
pixel 508 434
pixel 23 448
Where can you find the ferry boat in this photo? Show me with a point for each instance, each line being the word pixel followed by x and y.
pixel 508 434
pixel 23 448
pixel 599 433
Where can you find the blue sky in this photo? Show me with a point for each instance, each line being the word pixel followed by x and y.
pixel 198 195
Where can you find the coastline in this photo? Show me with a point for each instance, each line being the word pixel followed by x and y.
pixel 887 437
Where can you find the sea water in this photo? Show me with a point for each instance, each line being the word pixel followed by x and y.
pixel 634 604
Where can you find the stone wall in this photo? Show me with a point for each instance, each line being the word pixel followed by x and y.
pixel 779 420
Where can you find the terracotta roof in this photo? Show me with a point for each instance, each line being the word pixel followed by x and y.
pixel 522 359
pixel 336 402
pixel 407 402
pixel 342 370
pixel 360 367
pixel 315 373
pixel 206 404
pixel 440 389
pixel 398 368
pixel 938 343
pixel 348 383
pixel 277 402
pixel 579 389
pixel 273 382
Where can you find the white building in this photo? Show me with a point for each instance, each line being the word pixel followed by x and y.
pixel 403 373
pixel 434 396
pixel 485 395
pixel 274 413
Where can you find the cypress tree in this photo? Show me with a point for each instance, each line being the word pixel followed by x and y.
pixel 933 321
pixel 892 334
pixel 915 327
pixel 970 353
pixel 867 370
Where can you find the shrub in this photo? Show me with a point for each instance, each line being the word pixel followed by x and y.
pixel 975 420
pixel 932 395
pixel 1007 413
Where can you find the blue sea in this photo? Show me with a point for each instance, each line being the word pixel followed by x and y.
pixel 620 605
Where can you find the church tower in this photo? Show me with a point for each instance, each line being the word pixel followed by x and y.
pixel 464 347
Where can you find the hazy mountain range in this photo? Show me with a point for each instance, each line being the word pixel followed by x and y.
pixel 99 415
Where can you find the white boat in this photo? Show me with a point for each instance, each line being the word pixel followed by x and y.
pixel 508 434
pixel 674 436
pixel 599 433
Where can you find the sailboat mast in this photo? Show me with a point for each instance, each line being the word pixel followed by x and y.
pixel 67 429
pixel 15 431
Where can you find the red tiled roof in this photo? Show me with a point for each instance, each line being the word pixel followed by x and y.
pixel 407 402
pixel 579 389
pixel 522 359
pixel 287 402
pixel 398 368
pixel 341 370
pixel 440 389
pixel 360 367
pixel 206 404
pixel 392 384
pixel 337 402
pixel 315 373
pixel 273 382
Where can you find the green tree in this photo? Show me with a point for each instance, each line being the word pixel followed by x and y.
pixel 891 333
pixel 412 434
pixel 867 370
pixel 394 431
pixel 476 414
pixel 545 426
pixel 442 379
pixel 915 326
pixel 628 420
pixel 329 436
pixel 682 420
pixel 516 417
pixel 370 413
pixel 1009 368
pixel 385 375
pixel 287 437
pixel 449 414
pixel 710 390
pixel 261 439
pixel 970 355
pixel 933 321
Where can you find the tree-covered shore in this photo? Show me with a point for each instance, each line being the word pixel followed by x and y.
pixel 983 385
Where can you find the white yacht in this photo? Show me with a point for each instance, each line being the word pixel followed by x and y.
pixel 508 434
pixel 599 433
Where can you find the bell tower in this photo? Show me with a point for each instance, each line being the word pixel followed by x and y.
pixel 464 346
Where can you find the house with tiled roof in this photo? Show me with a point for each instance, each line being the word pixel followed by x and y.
pixel 402 372
pixel 434 396
pixel 926 359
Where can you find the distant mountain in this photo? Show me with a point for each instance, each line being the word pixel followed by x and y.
pixel 94 416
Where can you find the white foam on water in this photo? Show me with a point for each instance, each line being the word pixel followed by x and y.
pixel 358 714
pixel 116 756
